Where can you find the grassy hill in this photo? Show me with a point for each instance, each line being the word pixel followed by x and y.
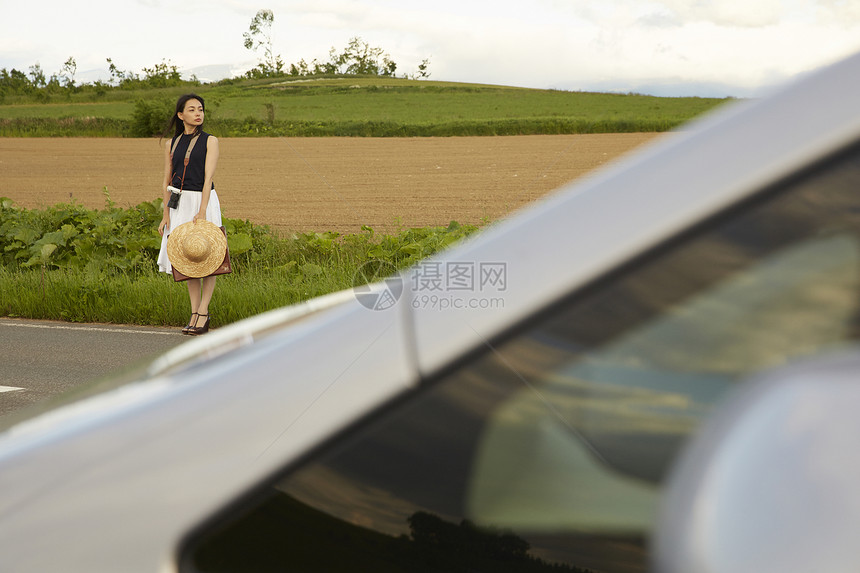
pixel 350 106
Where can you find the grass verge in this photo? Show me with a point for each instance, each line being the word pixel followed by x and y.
pixel 76 295
pixel 70 263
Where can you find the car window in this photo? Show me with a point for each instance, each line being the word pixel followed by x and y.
pixel 547 451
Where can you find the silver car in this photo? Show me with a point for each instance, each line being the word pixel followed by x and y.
pixel 654 368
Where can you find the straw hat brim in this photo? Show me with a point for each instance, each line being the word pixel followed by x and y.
pixel 196 249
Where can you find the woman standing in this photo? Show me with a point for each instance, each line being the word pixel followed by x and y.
pixel 198 199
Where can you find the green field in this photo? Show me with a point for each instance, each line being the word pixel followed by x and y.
pixel 361 106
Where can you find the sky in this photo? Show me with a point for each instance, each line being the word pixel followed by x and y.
pixel 708 48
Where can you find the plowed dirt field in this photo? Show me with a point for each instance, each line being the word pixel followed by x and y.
pixel 320 184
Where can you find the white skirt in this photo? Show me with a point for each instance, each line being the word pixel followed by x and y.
pixel 189 205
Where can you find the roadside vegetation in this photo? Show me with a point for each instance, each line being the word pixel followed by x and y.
pixel 67 262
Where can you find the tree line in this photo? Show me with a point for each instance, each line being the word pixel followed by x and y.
pixel 358 57
pixel 38 84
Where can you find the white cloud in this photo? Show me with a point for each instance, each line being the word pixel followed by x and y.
pixel 837 12
pixel 739 46
pixel 706 43
pixel 729 13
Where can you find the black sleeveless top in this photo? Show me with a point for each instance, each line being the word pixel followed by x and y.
pixel 195 174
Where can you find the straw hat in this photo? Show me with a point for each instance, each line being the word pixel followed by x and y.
pixel 196 249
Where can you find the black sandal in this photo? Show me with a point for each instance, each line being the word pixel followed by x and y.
pixel 198 330
pixel 187 329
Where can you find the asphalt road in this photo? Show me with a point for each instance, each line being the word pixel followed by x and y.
pixel 40 359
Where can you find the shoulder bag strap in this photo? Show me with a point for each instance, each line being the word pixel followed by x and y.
pixel 187 156
pixel 175 145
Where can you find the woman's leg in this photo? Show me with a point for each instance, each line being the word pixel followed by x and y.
pixel 208 287
pixel 194 290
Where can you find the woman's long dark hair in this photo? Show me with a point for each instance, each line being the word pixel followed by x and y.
pixel 176 125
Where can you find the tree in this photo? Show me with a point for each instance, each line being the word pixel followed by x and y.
pixel 38 76
pixel 14 82
pixel 70 67
pixel 300 68
pixel 119 76
pixel 259 35
pixel 359 58
pixel 162 75
pixel 423 69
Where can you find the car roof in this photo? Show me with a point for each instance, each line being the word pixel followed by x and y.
pixel 198 433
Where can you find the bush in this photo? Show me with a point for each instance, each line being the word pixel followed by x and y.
pixel 124 240
pixel 151 116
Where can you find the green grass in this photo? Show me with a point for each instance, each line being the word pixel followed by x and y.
pixel 361 106
pixel 64 127
pixel 417 103
pixel 78 295
pixel 67 262
pixel 109 110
